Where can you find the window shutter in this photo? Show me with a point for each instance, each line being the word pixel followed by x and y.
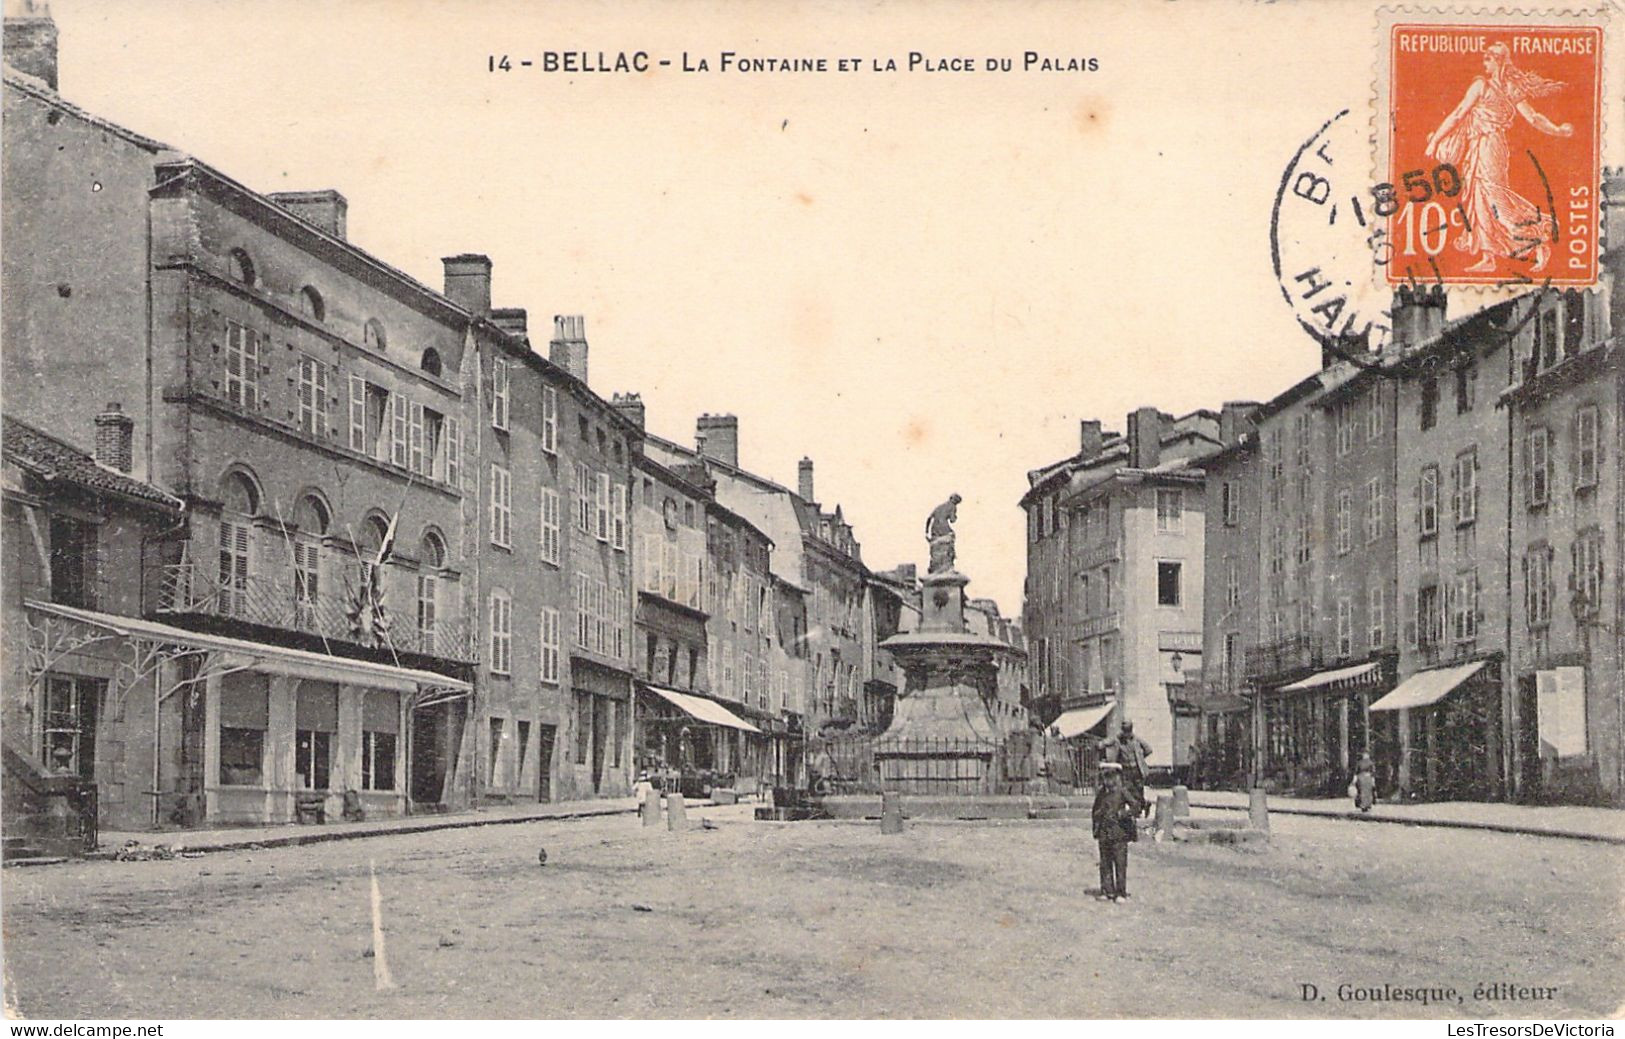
pixel 358 413
pixel 454 453
pixel 414 445
pixel 603 506
pixel 398 430
pixel 619 518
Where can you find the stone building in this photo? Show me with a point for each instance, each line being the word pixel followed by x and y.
pixel 1113 606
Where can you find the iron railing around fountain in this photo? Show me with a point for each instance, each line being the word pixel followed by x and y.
pixel 1020 763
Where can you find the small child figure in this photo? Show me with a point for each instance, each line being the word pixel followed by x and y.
pixel 1115 826
pixel 1365 784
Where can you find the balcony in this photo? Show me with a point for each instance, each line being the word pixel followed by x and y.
pixel 1298 651
pixel 384 620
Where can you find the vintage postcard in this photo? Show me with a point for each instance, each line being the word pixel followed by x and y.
pixel 812 511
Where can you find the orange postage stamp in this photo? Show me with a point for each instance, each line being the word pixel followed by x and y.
pixel 1489 144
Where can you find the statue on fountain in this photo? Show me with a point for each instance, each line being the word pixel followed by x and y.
pixel 939 534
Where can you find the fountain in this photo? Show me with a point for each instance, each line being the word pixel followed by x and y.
pixel 943 735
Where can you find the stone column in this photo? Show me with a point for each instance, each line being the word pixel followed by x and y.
pixel 281 773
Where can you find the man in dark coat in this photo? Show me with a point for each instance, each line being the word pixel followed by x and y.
pixel 1114 827
pixel 1129 751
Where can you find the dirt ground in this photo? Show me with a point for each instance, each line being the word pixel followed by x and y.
pixel 765 920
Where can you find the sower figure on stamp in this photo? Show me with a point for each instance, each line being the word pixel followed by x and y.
pixel 939 534
pixel 1130 752
pixel 1114 826
pixel 1499 222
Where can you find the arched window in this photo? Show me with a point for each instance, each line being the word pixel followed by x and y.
pixel 373 334
pixel 311 515
pixel 432 551
pixel 241 267
pixel 431 362
pixel 240 494
pixel 311 304
pixel 374 529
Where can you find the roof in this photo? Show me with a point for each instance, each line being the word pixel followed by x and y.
pixel 38 89
pixel 56 460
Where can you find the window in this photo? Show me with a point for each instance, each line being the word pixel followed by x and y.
pixel 453 453
pixel 496 750
pixel 316 719
pixel 1302 535
pixel 1232 658
pixel 1585 559
pixel 70 710
pixel 550 542
pixel 1428 501
pixel 1430 402
pixel 377 759
pixel 1344 536
pixel 1574 322
pixel 584 498
pixel 583 611
pixel 430 362
pixel 601 511
pixel 618 518
pixel 1170 508
pixel 73 562
pixel 1466 381
pixel 372 334
pixel 240 267
pixel 1587 447
pixel 1232 585
pixel 501 506
pixel 1230 502
pixel 1464 607
pixel 1464 488
pixel 313 397
pixel 1373 509
pixel 550 645
pixel 307 575
pixel 1345 627
pixel 428 610
pixel 550 420
pixel 235 568
pixel 1168 583
pixel 1537 467
pixel 1374 611
pixel 1345 429
pixel 1537 586
pixel 1429 617
pixel 1374 414
pixel 242 366
pixel 1548 339
pixel 244 717
pixel 501 633
pixel 311 304
pixel 499 394
pixel 400 427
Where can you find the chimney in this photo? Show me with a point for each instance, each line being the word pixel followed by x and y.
pixel 630 405
pixel 1144 438
pixel 327 209
pixel 1418 314
pixel 30 43
pixel 568 349
pixel 804 480
pixel 717 437
pixel 1235 418
pixel 1089 437
pixel 468 282
pixel 512 320
pixel 908 573
pixel 113 436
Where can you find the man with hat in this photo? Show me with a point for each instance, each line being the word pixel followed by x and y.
pixel 1129 751
pixel 1114 826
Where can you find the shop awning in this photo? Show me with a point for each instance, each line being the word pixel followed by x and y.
pixel 278 659
pixel 1428 687
pixel 701 709
pixel 1340 678
pixel 1080 720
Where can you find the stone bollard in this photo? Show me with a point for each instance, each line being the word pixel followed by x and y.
pixel 891 813
pixel 1258 812
pixel 1182 802
pixel 676 813
pixel 1163 820
pixel 649 810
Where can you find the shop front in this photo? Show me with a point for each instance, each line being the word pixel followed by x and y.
pixel 1447 733
pixel 1315 729
pixel 692 744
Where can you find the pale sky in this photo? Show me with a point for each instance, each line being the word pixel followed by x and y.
pixel 923 280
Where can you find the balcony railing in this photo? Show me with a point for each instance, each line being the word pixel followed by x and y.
pixel 1273 658
pixel 353 616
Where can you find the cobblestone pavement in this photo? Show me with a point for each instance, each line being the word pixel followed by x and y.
pixel 824 920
